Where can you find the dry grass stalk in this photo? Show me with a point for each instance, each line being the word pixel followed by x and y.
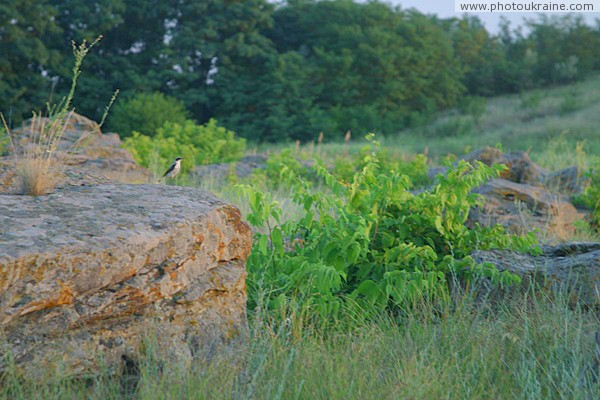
pixel 38 166
pixel 320 144
pixel 38 163
pixel 347 137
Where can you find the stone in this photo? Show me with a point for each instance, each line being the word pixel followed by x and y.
pixel 220 172
pixel 521 169
pixel 569 180
pixel 522 207
pixel 87 274
pixel 573 266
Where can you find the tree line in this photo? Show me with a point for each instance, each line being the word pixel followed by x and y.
pixel 282 71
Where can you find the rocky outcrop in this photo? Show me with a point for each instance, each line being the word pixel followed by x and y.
pixel 569 181
pixel 521 208
pixel 567 266
pixel 89 273
pixel 520 167
pixel 526 196
pixel 220 172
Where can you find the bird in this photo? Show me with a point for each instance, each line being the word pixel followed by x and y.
pixel 174 169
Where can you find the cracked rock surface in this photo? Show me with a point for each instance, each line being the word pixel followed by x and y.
pixel 574 265
pixel 90 272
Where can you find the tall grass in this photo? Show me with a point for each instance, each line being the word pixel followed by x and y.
pixel 531 347
pixel 38 163
pixel 37 166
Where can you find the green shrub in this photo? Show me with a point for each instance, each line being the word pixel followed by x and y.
pixel 344 167
pixel 146 113
pixel 270 178
pixel 571 101
pixel 274 163
pixel 371 240
pixel 415 167
pixel 197 144
pixel 530 100
pixel 591 197
pixel 474 106
pixel 4 142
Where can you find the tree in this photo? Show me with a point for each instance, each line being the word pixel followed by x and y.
pixel 26 28
pixel 215 48
pixel 146 113
pixel 374 65
pixel 127 58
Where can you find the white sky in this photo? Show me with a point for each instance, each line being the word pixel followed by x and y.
pixel 445 9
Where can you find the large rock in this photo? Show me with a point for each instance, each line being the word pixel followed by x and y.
pixel 569 180
pixel 573 266
pixel 88 273
pixel 522 208
pixel 521 169
pixel 220 172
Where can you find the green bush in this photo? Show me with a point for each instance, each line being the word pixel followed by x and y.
pixel 591 197
pixel 415 167
pixel 273 168
pixel 530 100
pixel 571 101
pixel 197 144
pixel 474 106
pixel 4 142
pixel 370 241
pixel 146 113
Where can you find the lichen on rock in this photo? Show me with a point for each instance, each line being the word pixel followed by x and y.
pixel 88 273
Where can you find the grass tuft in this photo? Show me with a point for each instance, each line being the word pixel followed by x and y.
pixel 38 164
pixel 38 169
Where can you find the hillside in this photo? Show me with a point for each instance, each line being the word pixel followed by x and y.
pixel 548 123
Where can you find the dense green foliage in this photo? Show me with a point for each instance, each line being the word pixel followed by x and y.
pixel 370 240
pixel 415 167
pixel 280 72
pixel 26 36
pixel 591 197
pixel 146 113
pixel 196 144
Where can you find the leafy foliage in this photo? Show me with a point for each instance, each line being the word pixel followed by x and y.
pixel 197 144
pixel 274 73
pixel 591 197
pixel 371 240
pixel 146 113
pixel 414 167
pixel 26 27
pixel 371 66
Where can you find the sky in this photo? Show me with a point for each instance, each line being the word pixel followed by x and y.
pixel 445 9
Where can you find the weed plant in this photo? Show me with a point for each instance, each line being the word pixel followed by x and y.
pixel 38 163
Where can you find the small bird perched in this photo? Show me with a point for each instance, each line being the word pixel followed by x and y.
pixel 173 169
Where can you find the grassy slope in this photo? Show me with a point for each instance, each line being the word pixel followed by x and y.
pixel 549 123
pixel 518 123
